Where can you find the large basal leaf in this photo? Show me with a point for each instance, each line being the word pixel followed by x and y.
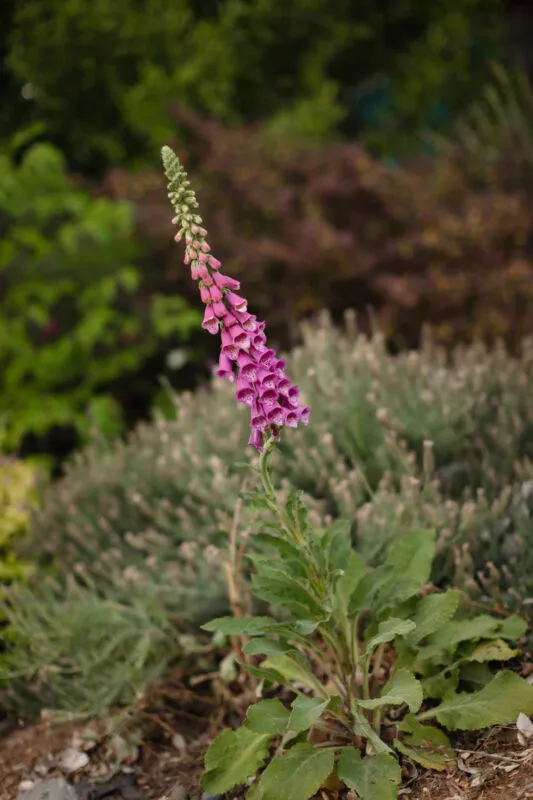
pixel 432 613
pixel 373 778
pixel 297 774
pixel 403 688
pixel 423 743
pixel 436 686
pixel 267 716
pixel 387 631
pixel 305 712
pixel 410 559
pixel 233 757
pixel 500 702
pixel 456 631
pixel 512 628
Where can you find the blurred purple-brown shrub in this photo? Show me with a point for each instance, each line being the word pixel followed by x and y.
pixel 329 226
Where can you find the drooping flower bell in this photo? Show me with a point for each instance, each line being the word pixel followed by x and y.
pixel 245 358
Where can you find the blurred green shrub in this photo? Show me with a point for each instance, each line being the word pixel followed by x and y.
pixel 73 316
pixel 18 499
pixel 102 77
pixel 493 138
pixel 418 439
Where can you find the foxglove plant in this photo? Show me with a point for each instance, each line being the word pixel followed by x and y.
pixel 360 650
pixel 245 358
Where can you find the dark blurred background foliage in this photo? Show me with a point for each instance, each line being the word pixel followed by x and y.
pixel 346 155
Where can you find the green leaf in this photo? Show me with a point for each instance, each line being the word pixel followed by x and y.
pixel 496 650
pixel 280 543
pixel 267 716
pixel 387 631
pixel 425 744
pixel 367 589
pixel 294 594
pixel 403 688
pixel 242 626
pixel 339 539
pixel 432 613
pixel 347 583
pixel 305 712
pixel 411 559
pixel 475 674
pixel 294 669
pixel 266 647
pixel 512 628
pixel 373 778
pixel 501 701
pixel 297 774
pixel 436 686
pixel 456 631
pixel 364 729
pixel 233 757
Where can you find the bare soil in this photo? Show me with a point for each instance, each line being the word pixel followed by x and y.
pixel 165 747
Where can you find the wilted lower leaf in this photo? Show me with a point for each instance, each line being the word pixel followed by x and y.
pixel 305 711
pixel 506 696
pixel 233 757
pixel 267 716
pixel 497 650
pixel 525 729
pixel 403 688
pixel 297 774
pixel 373 778
pixel 427 745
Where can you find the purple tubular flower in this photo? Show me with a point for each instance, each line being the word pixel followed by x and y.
pixel 304 414
pixel 269 398
pixel 267 379
pixel 256 439
pixel 245 357
pixel 236 301
pixel 248 321
pixel 276 416
pixel 229 348
pixel 225 368
pixel 245 391
pixel 210 322
pixel 292 418
pixel 223 282
pixel 247 366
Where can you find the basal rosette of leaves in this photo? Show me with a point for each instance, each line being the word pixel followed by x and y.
pixel 362 651
pixel 73 321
